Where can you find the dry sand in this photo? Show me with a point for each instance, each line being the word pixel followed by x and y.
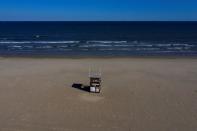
pixel 137 95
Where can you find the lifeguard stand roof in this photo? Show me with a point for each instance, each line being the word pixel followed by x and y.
pixel 94 73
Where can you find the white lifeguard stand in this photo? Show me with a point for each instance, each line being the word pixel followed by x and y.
pixel 95 80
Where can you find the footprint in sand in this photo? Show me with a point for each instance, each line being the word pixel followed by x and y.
pixel 91 97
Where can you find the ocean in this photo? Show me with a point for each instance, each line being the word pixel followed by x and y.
pixel 101 39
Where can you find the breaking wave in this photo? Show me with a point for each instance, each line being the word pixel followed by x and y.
pixel 98 46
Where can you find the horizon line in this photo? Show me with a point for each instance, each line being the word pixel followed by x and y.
pixel 98 21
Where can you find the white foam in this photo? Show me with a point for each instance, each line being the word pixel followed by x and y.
pixel 56 42
pixel 163 45
pixel 167 51
pixel 175 48
pixel 188 45
pixel 15 46
pixel 145 45
pixel 64 49
pixel 14 42
pixel 63 46
pixel 42 42
pixel 113 49
pixel 107 42
pixel 124 45
pixel 95 45
pixel 147 49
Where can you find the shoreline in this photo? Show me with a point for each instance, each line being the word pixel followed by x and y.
pixel 97 57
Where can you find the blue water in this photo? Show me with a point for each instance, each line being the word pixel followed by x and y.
pixel 98 38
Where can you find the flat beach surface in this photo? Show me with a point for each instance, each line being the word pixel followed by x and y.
pixel 138 94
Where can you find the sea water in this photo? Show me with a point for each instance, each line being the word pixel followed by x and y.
pixel 98 38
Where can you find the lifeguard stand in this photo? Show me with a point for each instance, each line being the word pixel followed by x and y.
pixel 95 81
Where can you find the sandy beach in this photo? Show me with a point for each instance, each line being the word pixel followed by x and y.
pixel 138 94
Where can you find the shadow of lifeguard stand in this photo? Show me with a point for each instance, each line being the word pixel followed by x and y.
pixel 95 80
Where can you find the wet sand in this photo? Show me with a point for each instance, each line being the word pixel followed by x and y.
pixel 138 94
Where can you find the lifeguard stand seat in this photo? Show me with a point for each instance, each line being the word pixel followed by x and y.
pixel 95 81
